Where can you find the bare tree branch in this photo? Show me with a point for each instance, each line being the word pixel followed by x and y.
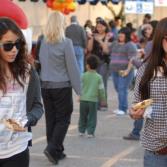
pixel 121 10
pixel 110 7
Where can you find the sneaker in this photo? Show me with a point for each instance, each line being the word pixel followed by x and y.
pixel 90 136
pixel 81 134
pixel 50 157
pixel 120 112
pixel 115 111
pixel 131 137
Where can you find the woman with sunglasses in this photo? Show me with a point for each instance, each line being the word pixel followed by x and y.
pixel 20 97
pixel 151 82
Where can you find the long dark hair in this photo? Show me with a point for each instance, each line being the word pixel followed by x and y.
pixel 104 23
pixel 155 60
pixel 19 68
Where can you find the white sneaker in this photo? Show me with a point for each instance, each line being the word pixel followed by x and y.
pixel 116 111
pixel 90 136
pixel 120 112
pixel 81 134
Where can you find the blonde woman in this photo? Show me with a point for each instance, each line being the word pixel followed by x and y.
pixel 59 74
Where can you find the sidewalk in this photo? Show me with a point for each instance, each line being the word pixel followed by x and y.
pixel 107 149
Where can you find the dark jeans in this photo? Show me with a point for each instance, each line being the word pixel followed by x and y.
pixel 58 109
pixel 138 124
pixel 18 160
pixel 88 117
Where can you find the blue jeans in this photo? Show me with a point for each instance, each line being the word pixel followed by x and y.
pixel 121 85
pixel 154 160
pixel 79 53
pixel 137 127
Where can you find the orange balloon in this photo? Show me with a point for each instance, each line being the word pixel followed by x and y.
pixel 66 11
pixel 72 6
pixel 68 1
pixel 56 6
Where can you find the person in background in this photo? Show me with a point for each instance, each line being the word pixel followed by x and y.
pixel 113 29
pixel 146 20
pixel 78 36
pixel 143 55
pixel 20 95
pixel 151 82
pixel 95 47
pixel 118 22
pixel 148 46
pixel 121 53
pixel 89 25
pixel 59 74
pixel 134 36
pixel 92 91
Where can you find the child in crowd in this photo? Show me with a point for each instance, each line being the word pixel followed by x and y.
pixel 92 91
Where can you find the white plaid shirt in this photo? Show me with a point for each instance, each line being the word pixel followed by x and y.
pixel 154 136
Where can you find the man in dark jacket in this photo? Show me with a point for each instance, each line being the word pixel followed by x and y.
pixel 78 36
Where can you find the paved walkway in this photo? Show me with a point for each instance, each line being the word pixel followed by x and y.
pixel 107 149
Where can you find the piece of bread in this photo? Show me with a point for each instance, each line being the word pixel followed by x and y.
pixel 142 105
pixel 13 125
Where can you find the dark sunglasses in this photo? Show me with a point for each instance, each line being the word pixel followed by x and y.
pixel 9 45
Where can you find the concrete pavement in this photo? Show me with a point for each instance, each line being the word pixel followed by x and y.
pixel 107 149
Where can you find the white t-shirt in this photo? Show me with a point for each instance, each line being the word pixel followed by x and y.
pixel 13 105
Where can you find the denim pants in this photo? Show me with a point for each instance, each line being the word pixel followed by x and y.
pixel 153 160
pixel 58 109
pixel 79 53
pixel 121 85
pixel 137 127
pixel 103 70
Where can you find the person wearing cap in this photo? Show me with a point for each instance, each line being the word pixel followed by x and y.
pixel 78 36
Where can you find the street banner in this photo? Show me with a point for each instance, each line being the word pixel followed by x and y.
pixel 139 6
pixel 162 3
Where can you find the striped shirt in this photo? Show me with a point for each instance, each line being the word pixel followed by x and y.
pixel 154 135
pixel 120 55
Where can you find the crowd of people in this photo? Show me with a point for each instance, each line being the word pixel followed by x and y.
pixel 82 58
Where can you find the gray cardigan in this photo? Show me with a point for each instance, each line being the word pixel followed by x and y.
pixel 59 67
pixel 34 99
